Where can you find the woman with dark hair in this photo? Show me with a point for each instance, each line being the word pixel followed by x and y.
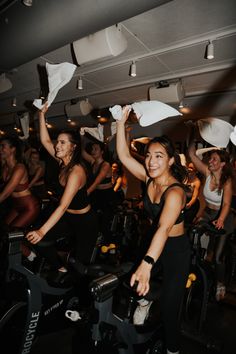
pixel 217 193
pixel 73 212
pixel 164 202
pixel 119 182
pixel 24 207
pixel 193 185
pixel 36 168
pixel 100 190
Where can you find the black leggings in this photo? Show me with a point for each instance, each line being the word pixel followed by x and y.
pixel 174 265
pixel 175 260
pixel 82 230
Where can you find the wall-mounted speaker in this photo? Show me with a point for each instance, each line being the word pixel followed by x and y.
pixel 173 93
pixel 107 43
pixel 81 108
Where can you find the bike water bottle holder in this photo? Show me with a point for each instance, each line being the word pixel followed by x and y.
pixel 102 288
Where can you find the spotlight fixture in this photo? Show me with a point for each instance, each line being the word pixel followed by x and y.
pixel 28 2
pixel 68 120
pixel 14 102
pixel 210 50
pixel 80 84
pixel 133 69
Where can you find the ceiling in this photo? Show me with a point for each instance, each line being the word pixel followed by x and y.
pixel 166 39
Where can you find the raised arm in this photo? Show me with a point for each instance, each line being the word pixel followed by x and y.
pixel 200 166
pixel 135 167
pixel 43 132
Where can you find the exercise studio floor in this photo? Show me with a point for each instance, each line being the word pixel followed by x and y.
pixel 219 330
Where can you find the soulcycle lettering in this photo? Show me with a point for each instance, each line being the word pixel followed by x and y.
pixel 31 332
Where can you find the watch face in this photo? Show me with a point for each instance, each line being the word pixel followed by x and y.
pixel 149 260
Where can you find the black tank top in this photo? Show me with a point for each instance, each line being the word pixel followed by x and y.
pixel 95 174
pixel 80 200
pixel 154 209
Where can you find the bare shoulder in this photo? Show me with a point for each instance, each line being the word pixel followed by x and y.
pixel 175 192
pixel 177 188
pixel 106 164
pixel 20 167
pixel 78 169
pixel 77 175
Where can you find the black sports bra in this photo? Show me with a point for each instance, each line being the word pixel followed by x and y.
pixel 80 200
pixel 154 209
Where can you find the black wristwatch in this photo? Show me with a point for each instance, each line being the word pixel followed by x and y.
pixel 149 260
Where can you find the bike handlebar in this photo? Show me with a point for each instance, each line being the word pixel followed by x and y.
pixel 207 227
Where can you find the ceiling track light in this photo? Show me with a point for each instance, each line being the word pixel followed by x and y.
pixel 210 50
pixel 14 102
pixel 80 84
pixel 27 2
pixel 133 69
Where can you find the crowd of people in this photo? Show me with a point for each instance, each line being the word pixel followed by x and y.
pixel 89 188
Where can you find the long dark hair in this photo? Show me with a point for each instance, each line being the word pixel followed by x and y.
pixel 15 142
pixel 177 170
pixel 227 170
pixel 74 138
pixel 104 148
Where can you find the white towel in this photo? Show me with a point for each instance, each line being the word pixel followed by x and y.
pixel 150 112
pixel 24 122
pixel 215 131
pixel 58 76
pixel 97 132
pixel 201 152
pixel 147 112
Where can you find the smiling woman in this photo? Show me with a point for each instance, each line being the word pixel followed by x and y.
pixel 73 213
pixel 166 243
pixel 24 207
pixel 217 193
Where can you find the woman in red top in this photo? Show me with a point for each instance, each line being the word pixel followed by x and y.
pixel 24 207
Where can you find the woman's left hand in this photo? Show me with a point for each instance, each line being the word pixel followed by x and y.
pixel 34 236
pixel 142 277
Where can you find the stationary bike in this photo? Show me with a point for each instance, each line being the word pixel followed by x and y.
pixel 28 305
pixel 198 295
pixel 111 328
